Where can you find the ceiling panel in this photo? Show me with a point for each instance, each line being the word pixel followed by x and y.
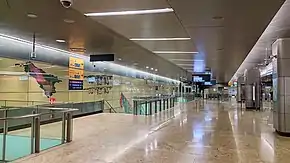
pixel 84 33
pixel 279 27
pixel 162 25
pixel 224 31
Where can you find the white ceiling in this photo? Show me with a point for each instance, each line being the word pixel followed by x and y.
pixel 163 25
pixel 223 42
pixel 279 27
pixel 84 33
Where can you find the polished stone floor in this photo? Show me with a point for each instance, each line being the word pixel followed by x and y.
pixel 196 132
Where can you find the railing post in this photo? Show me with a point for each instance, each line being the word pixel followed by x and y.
pixel 32 132
pixel 63 127
pixel 164 104
pixel 146 108
pixel 103 105
pixel 160 105
pixel 134 107
pixel 150 107
pixel 156 106
pixel 69 127
pixel 5 128
pixel 37 134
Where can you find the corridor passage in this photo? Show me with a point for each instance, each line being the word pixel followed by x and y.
pixel 196 132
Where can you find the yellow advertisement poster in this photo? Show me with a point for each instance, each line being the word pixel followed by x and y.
pixel 76 74
pixel 76 63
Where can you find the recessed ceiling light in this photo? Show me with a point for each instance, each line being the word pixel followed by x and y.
pixel 136 12
pixel 217 18
pixel 120 59
pixel 156 70
pixel 69 21
pixel 30 15
pixel 147 67
pixel 60 41
pixel 160 39
pixel 152 68
pixel 174 52
pixel 186 60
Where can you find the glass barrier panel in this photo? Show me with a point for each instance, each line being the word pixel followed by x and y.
pixel 18 139
pixel 1 142
pixel 50 129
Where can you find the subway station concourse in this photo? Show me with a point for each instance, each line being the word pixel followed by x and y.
pixel 145 81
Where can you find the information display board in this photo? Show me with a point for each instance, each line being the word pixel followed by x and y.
pixel 201 78
pixel 76 84
pixel 76 63
pixel 76 73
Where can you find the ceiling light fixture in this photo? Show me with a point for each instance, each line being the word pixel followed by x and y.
pixel 160 39
pixel 156 70
pixel 69 21
pixel 181 60
pixel 152 68
pixel 174 52
pixel 30 15
pixel 60 41
pixel 147 67
pixel 217 18
pixel 136 12
pixel 10 40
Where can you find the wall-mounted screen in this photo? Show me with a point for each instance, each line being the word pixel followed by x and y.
pixel 201 78
pixel 91 79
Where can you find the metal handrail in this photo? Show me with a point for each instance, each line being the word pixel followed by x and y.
pixel 153 100
pixel 111 107
pixel 19 117
pixel 167 103
pixel 67 128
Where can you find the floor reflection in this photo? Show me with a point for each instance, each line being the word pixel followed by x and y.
pixel 208 132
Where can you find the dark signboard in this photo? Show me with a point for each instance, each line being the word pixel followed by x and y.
pixel 76 84
pixel 102 57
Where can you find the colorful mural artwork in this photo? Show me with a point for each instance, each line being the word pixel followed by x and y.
pixel 45 80
pixel 125 104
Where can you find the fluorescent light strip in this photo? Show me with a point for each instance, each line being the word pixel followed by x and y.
pixel 160 39
pixel 60 41
pixel 136 12
pixel 29 43
pixel 174 52
pixel 181 60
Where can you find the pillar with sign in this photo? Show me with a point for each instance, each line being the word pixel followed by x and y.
pixel 76 73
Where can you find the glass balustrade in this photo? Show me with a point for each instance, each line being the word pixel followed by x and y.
pixel 150 106
pixel 24 133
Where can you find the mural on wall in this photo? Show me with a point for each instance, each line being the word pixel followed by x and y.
pixel 125 104
pixel 45 80
pixel 99 84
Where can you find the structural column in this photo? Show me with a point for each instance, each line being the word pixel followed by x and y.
pixel 240 87
pixel 253 89
pixel 281 86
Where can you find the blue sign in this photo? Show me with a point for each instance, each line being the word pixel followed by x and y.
pixel 76 84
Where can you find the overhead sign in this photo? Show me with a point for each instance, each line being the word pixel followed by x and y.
pixel 76 84
pixel 102 57
pixel 76 63
pixel 75 74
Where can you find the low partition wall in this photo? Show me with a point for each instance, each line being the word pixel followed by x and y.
pixel 49 112
pixel 150 106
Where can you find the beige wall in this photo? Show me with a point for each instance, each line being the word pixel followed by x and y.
pixel 12 88
pixel 16 92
